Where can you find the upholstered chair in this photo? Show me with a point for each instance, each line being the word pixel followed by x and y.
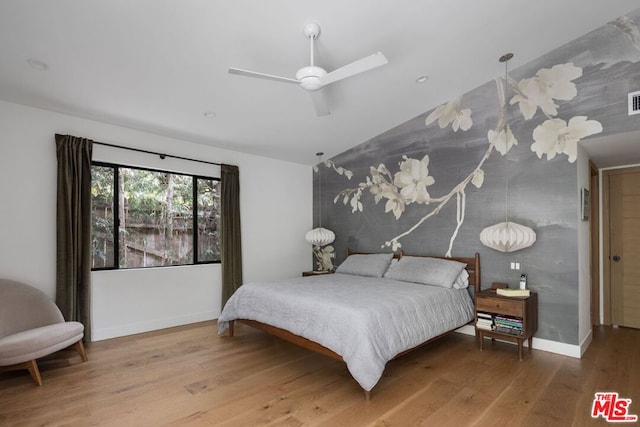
pixel 31 326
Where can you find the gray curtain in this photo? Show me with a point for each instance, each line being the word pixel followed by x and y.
pixel 231 246
pixel 73 230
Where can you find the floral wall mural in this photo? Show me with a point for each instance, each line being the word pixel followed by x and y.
pixel 430 185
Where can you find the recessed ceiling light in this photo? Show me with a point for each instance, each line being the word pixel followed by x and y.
pixel 421 79
pixel 209 114
pixel 37 64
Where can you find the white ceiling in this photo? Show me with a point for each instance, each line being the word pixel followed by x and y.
pixel 614 150
pixel 159 65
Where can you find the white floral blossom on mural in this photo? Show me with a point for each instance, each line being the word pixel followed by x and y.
pixel 323 257
pixel 451 113
pixel 555 136
pixel 338 170
pixel 547 85
pixel 503 140
pixel 413 180
pixel 478 178
pixel 394 204
pixel 408 185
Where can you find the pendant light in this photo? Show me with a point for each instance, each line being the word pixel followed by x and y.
pixel 320 236
pixel 507 236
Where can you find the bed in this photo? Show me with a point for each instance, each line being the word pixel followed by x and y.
pixel 374 308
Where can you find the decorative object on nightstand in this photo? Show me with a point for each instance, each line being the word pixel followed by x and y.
pixel 319 236
pixel 523 281
pixel 508 318
pixel 507 236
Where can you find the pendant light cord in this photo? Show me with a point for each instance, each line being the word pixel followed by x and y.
pixel 319 189
pixel 505 58
pixel 506 160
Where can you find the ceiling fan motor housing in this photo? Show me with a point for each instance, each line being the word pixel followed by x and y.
pixel 310 77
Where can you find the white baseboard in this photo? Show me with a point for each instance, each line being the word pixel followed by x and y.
pixel 586 342
pixel 99 334
pixel 545 345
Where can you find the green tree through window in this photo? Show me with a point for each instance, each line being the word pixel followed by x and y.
pixel 157 221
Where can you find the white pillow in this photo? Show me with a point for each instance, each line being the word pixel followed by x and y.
pixel 462 281
pixel 371 265
pixel 427 271
pixel 393 263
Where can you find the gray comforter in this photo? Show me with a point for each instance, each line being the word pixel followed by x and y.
pixel 366 320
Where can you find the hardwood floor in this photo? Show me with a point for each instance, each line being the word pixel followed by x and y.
pixel 188 376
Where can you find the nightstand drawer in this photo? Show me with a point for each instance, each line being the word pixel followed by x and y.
pixel 500 305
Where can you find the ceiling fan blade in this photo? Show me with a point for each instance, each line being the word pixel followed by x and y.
pixel 319 103
pixel 248 73
pixel 360 66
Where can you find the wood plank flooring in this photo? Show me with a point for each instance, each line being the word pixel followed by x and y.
pixel 188 376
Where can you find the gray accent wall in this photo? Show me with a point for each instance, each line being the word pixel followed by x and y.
pixel 542 192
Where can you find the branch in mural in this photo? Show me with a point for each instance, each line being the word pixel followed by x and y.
pixel 339 170
pixel 409 184
pixel 451 113
pixel 501 137
pixel 461 208
pixel 476 177
pixel 629 28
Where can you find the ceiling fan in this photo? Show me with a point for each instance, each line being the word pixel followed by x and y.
pixel 313 78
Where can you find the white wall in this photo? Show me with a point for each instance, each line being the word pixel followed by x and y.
pixel 584 253
pixel 275 199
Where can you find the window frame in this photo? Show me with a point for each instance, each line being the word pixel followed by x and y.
pixel 116 215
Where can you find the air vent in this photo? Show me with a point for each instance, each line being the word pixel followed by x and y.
pixel 634 103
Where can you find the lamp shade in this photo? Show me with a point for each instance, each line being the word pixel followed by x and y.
pixel 320 236
pixel 508 237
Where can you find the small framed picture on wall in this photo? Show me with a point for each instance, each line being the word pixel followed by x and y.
pixel 585 204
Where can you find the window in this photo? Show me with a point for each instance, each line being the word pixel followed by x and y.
pixel 162 218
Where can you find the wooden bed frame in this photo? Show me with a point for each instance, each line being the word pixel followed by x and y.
pixel 473 268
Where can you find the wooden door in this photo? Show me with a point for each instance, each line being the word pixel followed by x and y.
pixel 624 247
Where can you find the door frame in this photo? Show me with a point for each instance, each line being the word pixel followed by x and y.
pixel 606 238
pixel 594 242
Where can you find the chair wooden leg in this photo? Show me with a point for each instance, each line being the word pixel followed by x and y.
pixel 32 366
pixel 80 349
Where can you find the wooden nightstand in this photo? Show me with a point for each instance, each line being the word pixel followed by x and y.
pixel 524 309
pixel 315 273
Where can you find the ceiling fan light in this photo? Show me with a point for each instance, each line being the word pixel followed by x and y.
pixel 508 237
pixel 320 236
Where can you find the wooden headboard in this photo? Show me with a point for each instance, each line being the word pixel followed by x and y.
pixel 396 255
pixel 473 266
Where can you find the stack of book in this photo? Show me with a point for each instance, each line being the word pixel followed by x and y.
pixel 513 292
pixel 485 321
pixel 508 324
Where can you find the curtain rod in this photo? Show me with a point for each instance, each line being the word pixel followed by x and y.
pixel 161 155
